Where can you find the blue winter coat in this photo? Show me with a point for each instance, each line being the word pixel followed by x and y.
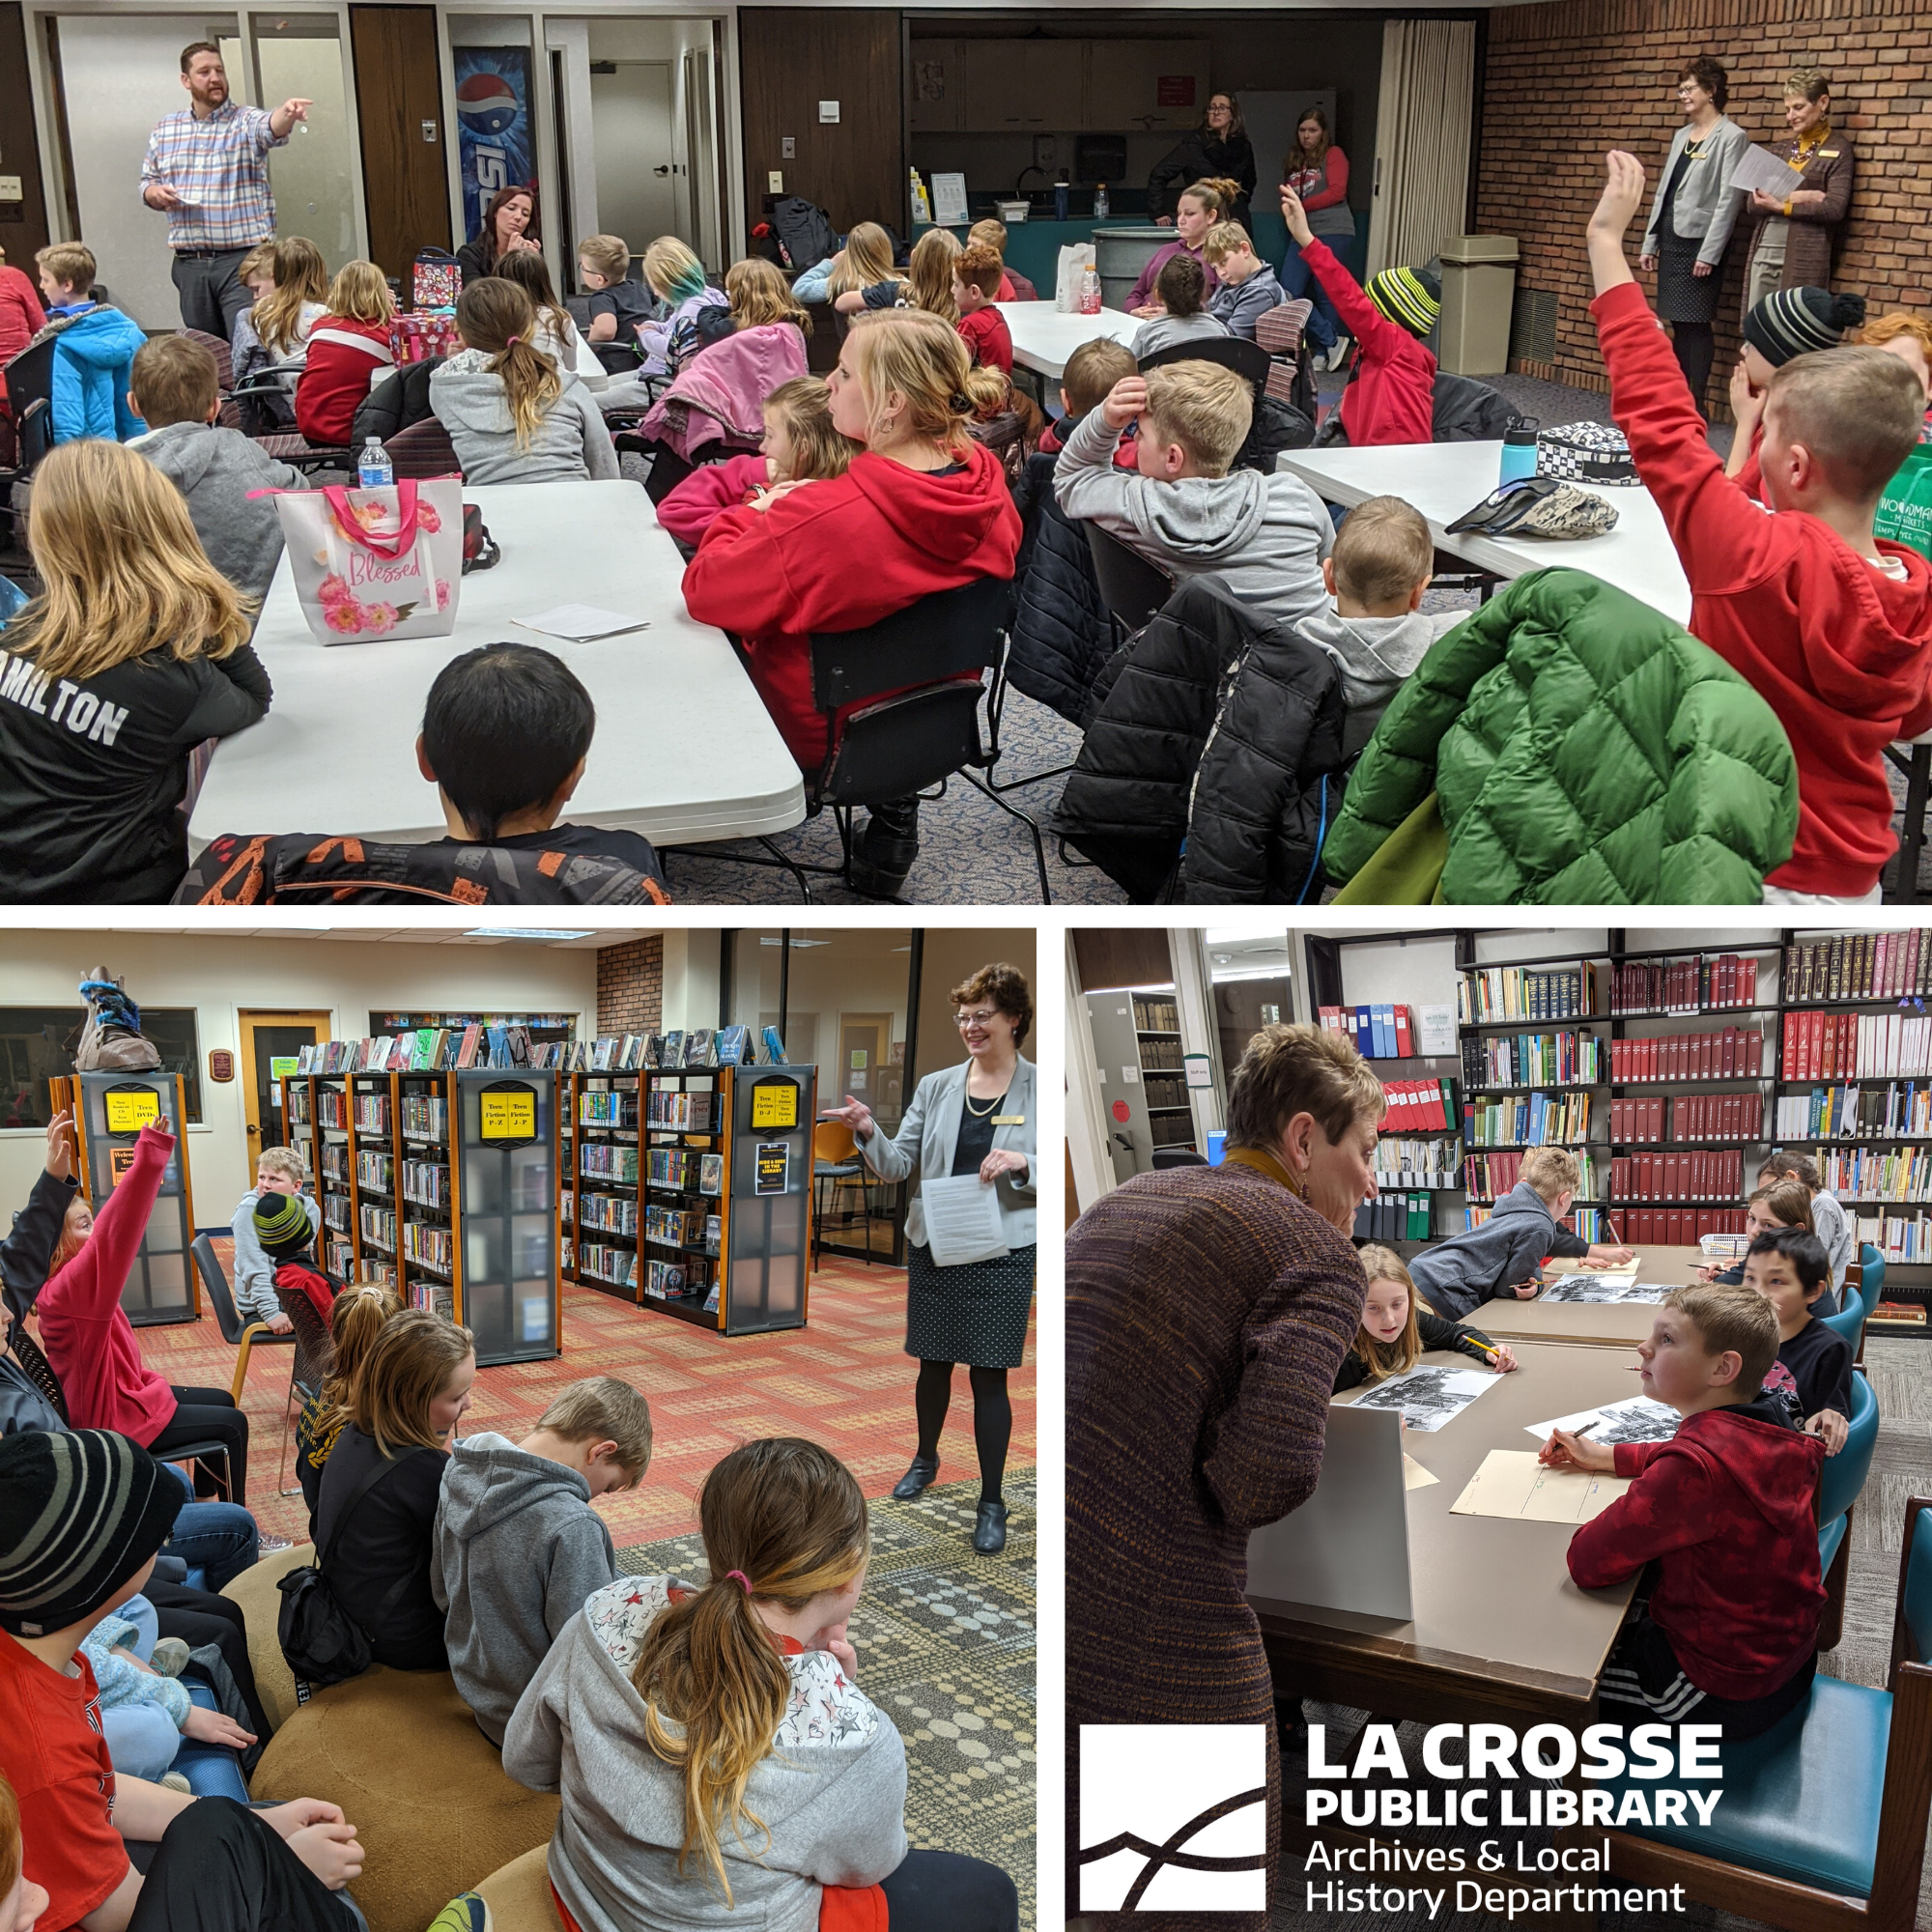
pixel 94 368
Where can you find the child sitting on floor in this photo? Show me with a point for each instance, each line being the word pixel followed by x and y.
pixel 1790 1270
pixel 975 281
pixel 346 346
pixel 1830 625
pixel 1181 289
pixel 799 445
pixel 1725 1510
pixel 1396 1328
pixel 1247 287
pixel 1786 323
pixel 1391 396
pixel 519 1547
pixel 1499 1258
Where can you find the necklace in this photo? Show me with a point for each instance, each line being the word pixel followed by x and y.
pixel 981 1113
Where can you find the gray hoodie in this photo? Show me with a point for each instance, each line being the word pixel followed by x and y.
pixel 831 1792
pixel 518 1550
pixel 1485 1263
pixel 216 469
pixel 1264 536
pixel 1375 654
pixel 570 443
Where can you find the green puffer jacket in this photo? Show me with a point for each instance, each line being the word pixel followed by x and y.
pixel 1586 751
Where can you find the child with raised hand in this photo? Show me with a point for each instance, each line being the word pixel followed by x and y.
pixel 799 445
pixel 1247 287
pixel 1725 1510
pixel 346 346
pixel 1181 292
pixel 519 1547
pixel 1790 1269
pixel 976 282
pixel 510 417
pixel 1786 323
pixel 1396 1329
pixel 355 1322
pixel 1830 624
pixel 717 1759
pixel 136 651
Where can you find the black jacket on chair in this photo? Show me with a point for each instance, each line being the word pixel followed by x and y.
pixel 1063 632
pixel 398 402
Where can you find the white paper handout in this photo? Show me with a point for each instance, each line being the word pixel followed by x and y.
pixel 1762 172
pixel 1427 1396
pixel 962 1221
pixel 1634 1419
pixel 948 200
pixel 583 624
pixel 1511 1484
pixel 1599 1288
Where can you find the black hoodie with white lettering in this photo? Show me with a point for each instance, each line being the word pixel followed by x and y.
pixel 92 772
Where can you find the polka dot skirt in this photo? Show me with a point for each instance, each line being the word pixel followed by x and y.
pixel 976 1314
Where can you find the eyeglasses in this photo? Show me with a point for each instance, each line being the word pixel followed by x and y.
pixel 975 1019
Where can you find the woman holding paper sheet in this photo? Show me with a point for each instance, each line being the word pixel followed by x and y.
pixel 1794 240
pixel 975 1123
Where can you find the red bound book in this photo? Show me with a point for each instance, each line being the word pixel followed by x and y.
pixel 1787 1060
pixel 1404 1042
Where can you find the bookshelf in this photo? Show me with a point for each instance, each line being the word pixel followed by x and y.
pixel 1137 1043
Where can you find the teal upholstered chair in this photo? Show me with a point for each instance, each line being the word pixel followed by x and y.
pixel 1840 1484
pixel 1822 1823
pixel 1852 1313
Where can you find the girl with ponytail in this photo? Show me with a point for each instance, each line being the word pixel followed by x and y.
pixel 1197 209
pixel 509 416
pixel 355 1322
pixel 718 1762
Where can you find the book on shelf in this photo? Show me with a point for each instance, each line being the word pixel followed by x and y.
pixel 1860 966
pixel 1699 983
pixel 1533 1059
pixel 775 1046
pixel 711 1174
pixel 1683 1227
pixel 1527 1120
pixel 1901 1313
pixel 1488 993
pixel 670 1048
pixel 697 1047
pixel 1877 1174
pixel 1678 1174
pixel 1830 1046
pixel 1402 1162
pixel 1376 1033
pixel 1155 1012
pixel 1587 1222
pixel 735 1046
pixel 1394 1217
pixel 1414 1106
pixel 1853 1111
pixel 1488 1177
pixel 1723 1053
pixel 1899 1237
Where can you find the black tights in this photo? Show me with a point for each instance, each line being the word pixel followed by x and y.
pixel 1696 344
pixel 992 1419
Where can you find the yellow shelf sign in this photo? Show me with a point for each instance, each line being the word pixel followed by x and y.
pixel 775 1104
pixel 509 1117
pixel 129 1113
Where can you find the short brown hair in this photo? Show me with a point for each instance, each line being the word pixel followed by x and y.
pixel 194 48
pixel 980 267
pixel 1007 990
pixel 1710 75
pixel 284 1161
pixel 1182 285
pixel 1858 410
pixel 602 1409
pixel 414 1355
pixel 1799 1166
pixel 1225 239
pixel 1092 370
pixel 1383 551
pixel 1729 1316
pixel 1300 1069
pixel 1549 1170
pixel 71 264
pixel 1790 1200
pixel 173 381
pixel 609 254
pixel 1206 408
pixel 992 233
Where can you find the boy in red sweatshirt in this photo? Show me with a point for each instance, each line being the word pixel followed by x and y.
pixel 975 288
pixel 1391 397
pixel 1725 1511
pixel 1830 625
pixel 282 1227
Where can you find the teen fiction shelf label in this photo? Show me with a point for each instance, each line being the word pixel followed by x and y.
pixel 774 1105
pixel 128 1113
pixel 507 1117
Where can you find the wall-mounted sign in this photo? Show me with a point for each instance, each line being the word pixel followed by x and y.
pixel 221 1065
pixel 119 1160
pixel 128 1113
pixel 1173 90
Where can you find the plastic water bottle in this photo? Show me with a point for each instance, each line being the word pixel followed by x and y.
pixel 374 470
pixel 1089 293
pixel 1102 206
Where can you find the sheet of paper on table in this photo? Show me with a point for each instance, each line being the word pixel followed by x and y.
pixel 1599 1288
pixel 1514 1485
pixel 1761 171
pixel 1634 1419
pixel 962 1221
pixel 583 624
pixel 1427 1396
pixel 1414 1475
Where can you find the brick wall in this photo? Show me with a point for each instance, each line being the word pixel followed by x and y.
pixel 1565 80
pixel 630 986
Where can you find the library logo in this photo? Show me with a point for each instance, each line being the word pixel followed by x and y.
pixel 1173 1818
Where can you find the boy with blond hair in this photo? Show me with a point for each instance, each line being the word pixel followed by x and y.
pixel 1499 1258
pixel 1725 1511
pixel 1092 370
pixel 1264 536
pixel 278 1172
pixel 1245 287
pixel 95 351
pixel 1830 625
pixel 519 1547
pixel 975 287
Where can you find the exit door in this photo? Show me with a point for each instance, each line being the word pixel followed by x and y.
pixel 631 135
pixel 270 1044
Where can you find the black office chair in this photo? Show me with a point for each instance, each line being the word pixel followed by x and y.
pixel 30 397
pixel 1177 1156
pixel 1132 586
pixel 1231 351
pixel 237 1334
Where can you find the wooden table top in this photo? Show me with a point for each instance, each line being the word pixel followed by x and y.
pixel 1615 1325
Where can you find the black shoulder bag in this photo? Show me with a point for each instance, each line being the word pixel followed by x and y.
pixel 323 1643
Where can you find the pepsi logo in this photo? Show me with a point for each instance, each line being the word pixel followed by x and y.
pixel 485 104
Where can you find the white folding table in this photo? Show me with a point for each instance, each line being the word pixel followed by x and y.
pixel 685 750
pixel 1044 339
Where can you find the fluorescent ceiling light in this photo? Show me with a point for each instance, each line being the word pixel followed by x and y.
pixel 528 932
pixel 799 945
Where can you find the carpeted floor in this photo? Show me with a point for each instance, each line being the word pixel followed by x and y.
pixel 843 1379
pixel 1901 1376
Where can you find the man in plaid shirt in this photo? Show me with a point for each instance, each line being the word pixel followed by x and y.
pixel 207 169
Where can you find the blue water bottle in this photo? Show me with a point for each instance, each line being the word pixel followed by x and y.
pixel 1060 199
pixel 1519 452
pixel 372 469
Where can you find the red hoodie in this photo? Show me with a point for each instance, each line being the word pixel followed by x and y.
pixel 1727 1509
pixel 839 555
pixel 88 1337
pixel 21 318
pixel 300 1276
pixel 1835 646
pixel 1392 398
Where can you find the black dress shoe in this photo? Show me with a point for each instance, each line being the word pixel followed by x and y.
pixel 916 1480
pixel 989 1529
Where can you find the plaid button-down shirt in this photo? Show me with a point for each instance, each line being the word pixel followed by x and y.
pixel 219 167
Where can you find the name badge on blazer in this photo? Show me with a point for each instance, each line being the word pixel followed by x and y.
pixel 1828 154
pixel 1009 1119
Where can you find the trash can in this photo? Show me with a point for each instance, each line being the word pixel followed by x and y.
pixel 1478 293
pixel 1121 254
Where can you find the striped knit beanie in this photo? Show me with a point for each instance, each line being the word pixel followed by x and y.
pixel 281 1226
pixel 80 1513
pixel 1411 297
pixel 1795 322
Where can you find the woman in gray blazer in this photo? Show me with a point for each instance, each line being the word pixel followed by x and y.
pixel 1692 219
pixel 979 1118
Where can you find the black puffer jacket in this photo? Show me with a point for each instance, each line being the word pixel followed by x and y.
pixel 1464 409
pixel 396 403
pixel 1271 780
pixel 1061 632
pixel 1154 704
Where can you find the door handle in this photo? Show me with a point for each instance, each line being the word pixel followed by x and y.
pixel 661 171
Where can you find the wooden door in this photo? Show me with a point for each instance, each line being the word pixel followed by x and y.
pixel 399 102
pixel 266 1039
pixel 23 223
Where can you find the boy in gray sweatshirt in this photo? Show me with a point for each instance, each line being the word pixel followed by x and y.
pixel 519 1547
pixel 1264 536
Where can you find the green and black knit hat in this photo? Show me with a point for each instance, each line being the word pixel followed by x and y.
pixel 1411 297
pixel 281 1226
pixel 80 1513
pixel 1798 322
